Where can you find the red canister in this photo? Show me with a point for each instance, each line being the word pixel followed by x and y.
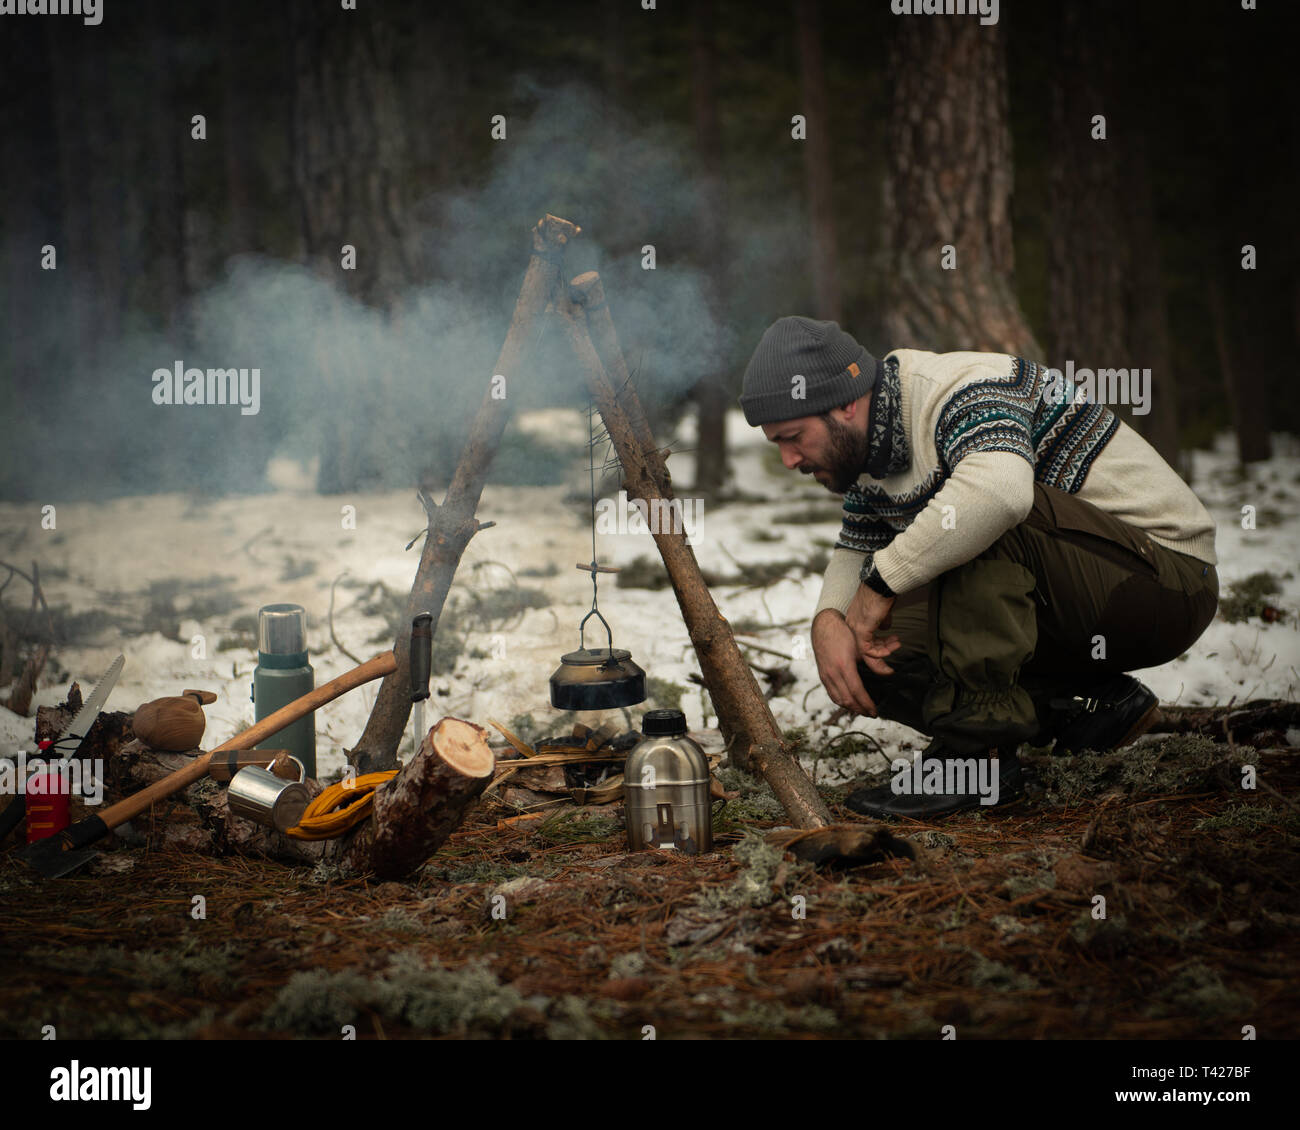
pixel 48 802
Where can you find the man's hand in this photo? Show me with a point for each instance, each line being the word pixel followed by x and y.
pixel 836 650
pixel 869 613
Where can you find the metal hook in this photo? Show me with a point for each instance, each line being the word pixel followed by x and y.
pixel 608 631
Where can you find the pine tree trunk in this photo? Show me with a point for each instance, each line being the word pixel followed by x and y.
pixel 348 152
pixel 711 391
pixel 818 175
pixel 1087 256
pixel 948 184
pixel 1148 315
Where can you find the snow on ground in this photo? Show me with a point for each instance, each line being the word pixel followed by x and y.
pixel 290 544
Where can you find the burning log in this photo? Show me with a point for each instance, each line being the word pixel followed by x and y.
pixel 743 714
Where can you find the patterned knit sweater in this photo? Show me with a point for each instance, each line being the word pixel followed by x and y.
pixel 956 442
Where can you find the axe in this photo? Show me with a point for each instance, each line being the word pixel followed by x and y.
pixel 61 854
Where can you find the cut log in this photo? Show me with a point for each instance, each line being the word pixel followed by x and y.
pixel 419 808
pixel 744 716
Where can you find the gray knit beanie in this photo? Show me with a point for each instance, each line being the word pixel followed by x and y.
pixel 835 370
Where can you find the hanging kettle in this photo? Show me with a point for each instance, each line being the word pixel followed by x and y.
pixel 597 679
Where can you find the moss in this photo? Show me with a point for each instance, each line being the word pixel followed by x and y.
pixel 578 828
pixel 187 968
pixel 487 871
pixel 1245 599
pixel 775 1017
pixel 316 1001
pixel 739 814
pixel 1177 764
pixel 630 964
pixel 1251 818
pixel 757 801
pixel 1199 990
pixel 1009 926
pixel 754 885
pixel 571 1018
pixel 1020 885
pixel 467 1001
pixel 988 974
pixel 399 921
pixel 325 873
pixel 1102 936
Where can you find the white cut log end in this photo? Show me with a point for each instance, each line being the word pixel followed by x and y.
pixel 464 747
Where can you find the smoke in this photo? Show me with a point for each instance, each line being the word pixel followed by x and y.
pixel 384 396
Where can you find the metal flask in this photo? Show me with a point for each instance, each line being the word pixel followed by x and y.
pixel 259 795
pixel 284 675
pixel 666 788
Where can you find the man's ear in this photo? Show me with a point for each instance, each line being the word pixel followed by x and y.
pixel 855 410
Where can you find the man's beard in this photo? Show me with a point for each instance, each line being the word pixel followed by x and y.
pixel 846 456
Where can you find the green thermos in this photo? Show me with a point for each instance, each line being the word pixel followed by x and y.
pixel 283 675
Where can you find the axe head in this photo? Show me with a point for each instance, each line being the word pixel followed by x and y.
pixel 56 856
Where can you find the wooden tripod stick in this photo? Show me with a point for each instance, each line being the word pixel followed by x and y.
pixel 743 714
pixel 452 524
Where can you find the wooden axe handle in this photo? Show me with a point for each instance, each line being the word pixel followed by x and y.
pixel 228 762
pixel 124 810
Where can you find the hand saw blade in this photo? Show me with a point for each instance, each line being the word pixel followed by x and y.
pixel 90 711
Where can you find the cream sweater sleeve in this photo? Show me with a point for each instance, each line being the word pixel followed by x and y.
pixel 987 493
pixel 841 580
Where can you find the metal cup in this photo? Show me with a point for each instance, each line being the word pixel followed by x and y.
pixel 259 795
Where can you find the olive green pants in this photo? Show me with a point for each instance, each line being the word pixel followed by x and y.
pixel 1066 598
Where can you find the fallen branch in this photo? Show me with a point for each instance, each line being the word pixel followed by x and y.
pixel 1254 723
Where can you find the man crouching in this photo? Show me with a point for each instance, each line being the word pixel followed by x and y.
pixel 1005 555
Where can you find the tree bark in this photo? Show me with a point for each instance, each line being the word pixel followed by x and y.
pixel 818 176
pixel 453 523
pixel 1254 444
pixel 417 810
pixel 948 183
pixel 1148 315
pixel 711 391
pixel 1088 258
pixel 744 717
pixel 348 151
pixel 238 138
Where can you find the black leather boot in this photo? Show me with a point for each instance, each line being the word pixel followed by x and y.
pixel 1106 716
pixel 943 781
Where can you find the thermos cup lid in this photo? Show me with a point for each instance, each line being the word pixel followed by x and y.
pixel 282 629
pixel 663 723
